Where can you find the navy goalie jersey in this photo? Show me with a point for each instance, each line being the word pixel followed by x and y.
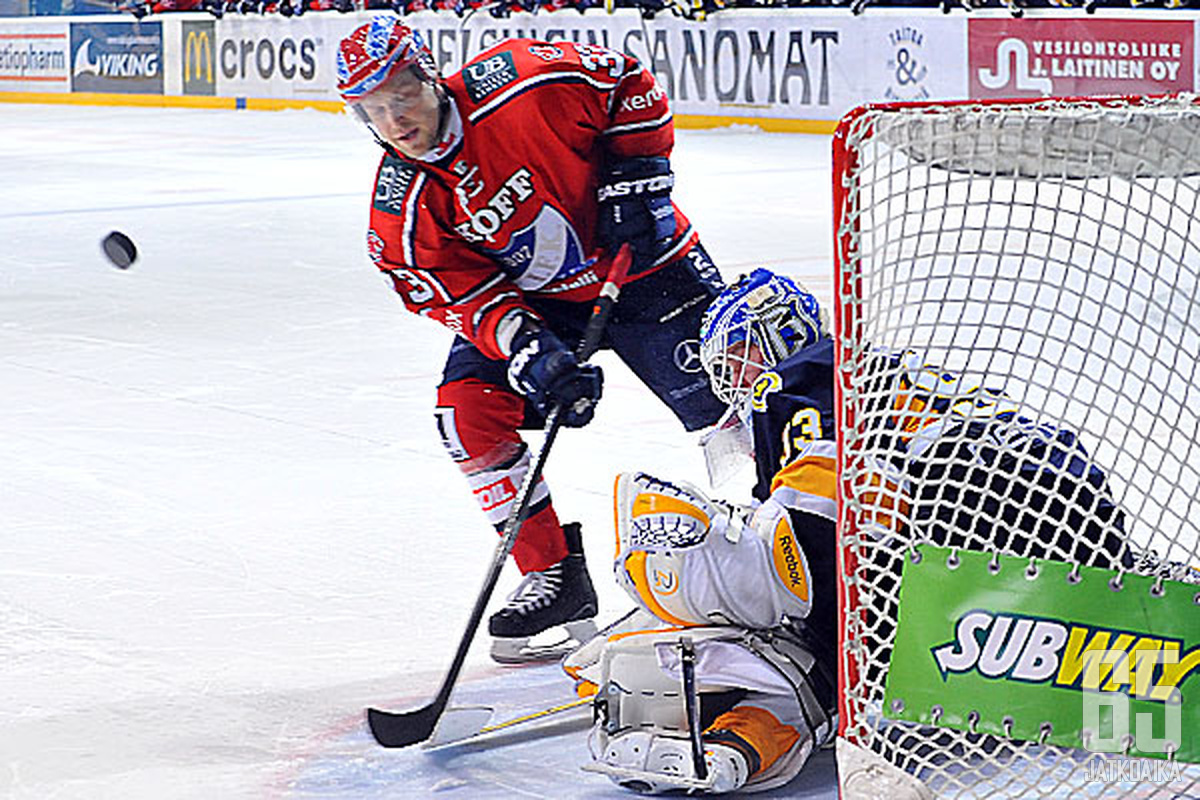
pixel 792 407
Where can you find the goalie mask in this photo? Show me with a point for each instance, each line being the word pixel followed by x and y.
pixel 752 326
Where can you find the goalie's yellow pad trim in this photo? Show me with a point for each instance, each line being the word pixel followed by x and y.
pixel 635 566
pixel 650 503
pixel 814 475
pixel 789 559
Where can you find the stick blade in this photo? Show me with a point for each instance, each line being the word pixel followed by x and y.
pixel 459 723
pixel 401 729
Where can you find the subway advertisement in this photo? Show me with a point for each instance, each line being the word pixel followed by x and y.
pixel 1047 652
pixel 769 66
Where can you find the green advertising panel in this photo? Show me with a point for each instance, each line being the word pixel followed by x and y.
pixel 990 644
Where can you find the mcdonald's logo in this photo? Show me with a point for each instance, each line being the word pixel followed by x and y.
pixel 200 46
pixel 198 67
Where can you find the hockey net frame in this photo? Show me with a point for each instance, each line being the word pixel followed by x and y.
pixel 1090 188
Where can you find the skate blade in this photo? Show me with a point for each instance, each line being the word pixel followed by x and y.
pixel 524 650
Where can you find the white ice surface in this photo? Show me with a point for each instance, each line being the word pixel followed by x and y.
pixel 226 521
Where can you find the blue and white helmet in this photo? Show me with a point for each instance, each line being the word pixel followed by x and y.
pixel 752 326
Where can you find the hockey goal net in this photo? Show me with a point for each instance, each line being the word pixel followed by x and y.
pixel 1051 250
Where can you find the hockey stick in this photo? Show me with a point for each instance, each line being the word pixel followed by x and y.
pixel 687 669
pixel 404 728
pixel 462 724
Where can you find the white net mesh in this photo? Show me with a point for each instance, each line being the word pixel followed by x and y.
pixel 1051 251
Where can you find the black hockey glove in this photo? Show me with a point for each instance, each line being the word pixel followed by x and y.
pixel 547 373
pixel 635 207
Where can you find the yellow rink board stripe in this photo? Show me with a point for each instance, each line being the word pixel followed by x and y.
pixel 687 121
pixel 167 101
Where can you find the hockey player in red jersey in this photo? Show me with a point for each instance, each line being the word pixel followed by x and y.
pixel 503 194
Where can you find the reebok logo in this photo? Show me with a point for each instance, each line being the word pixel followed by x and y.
pixel 789 560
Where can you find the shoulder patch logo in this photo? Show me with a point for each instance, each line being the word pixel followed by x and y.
pixel 485 77
pixel 395 176
pixel 763 386
pixel 545 52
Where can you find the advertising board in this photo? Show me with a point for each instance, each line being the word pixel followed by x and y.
pixel 275 57
pixel 121 57
pixel 35 59
pixel 1079 56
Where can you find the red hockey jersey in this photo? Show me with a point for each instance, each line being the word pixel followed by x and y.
pixel 505 207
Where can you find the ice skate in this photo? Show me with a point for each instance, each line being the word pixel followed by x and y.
pixel 561 596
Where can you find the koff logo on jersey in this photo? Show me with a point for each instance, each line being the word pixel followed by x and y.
pixel 500 207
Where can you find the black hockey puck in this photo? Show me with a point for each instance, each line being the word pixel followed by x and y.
pixel 120 249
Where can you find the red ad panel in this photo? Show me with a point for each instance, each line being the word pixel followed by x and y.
pixel 1065 57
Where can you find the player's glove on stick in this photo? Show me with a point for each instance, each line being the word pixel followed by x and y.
pixel 546 372
pixel 635 208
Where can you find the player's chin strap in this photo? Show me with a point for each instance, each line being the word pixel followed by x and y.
pixel 401 729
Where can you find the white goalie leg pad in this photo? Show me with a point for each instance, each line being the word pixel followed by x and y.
pixel 654 763
pixel 583 663
pixel 641 693
pixel 636 693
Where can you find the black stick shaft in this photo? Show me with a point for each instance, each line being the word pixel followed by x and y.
pixel 687 668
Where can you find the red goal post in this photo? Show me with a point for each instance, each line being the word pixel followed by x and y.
pixel 1050 248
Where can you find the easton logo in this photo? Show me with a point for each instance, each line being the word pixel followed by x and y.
pixel 1067 655
pixel 635 186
